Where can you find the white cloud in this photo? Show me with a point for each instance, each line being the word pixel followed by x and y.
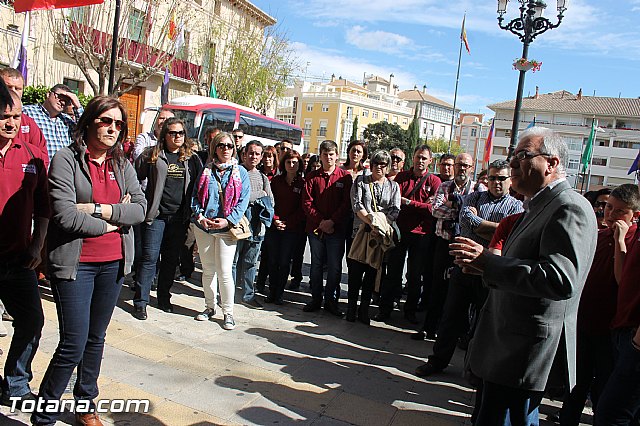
pixel 380 41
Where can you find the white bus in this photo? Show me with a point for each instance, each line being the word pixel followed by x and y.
pixel 201 112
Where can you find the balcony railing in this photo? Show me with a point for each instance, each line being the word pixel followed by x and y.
pixel 373 103
pixel 322 132
pixel 137 52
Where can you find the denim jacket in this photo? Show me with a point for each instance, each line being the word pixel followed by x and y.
pixel 260 214
pixel 213 209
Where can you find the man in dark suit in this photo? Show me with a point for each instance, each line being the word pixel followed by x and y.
pixel 529 320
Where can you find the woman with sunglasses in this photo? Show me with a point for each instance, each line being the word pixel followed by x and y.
pixel 95 199
pixel 220 199
pixel 369 194
pixel 171 169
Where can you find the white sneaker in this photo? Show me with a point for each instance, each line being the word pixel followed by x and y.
pixel 229 323
pixel 205 315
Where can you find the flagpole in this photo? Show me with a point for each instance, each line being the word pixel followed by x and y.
pixel 455 97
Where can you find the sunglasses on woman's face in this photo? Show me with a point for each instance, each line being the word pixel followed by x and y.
pixel 108 121
pixel 176 133
pixel 225 146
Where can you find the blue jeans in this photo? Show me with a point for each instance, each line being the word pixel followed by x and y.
pixel 19 293
pixel 281 245
pixel 326 250
pixel 507 406
pixel 84 307
pixel 244 267
pixel 619 403
pixel 162 237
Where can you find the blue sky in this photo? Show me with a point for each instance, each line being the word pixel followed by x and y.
pixel 595 48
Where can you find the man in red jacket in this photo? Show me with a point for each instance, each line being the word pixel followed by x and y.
pixel 326 201
pixel 418 188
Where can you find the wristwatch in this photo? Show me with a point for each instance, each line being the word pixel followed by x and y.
pixel 407 202
pixel 97 212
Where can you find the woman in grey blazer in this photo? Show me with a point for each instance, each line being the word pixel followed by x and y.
pixel 96 198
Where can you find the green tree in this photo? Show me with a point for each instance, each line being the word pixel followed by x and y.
pixel 383 135
pixel 354 132
pixel 413 133
pixel 440 146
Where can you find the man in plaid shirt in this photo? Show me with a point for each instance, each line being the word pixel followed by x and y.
pixel 54 124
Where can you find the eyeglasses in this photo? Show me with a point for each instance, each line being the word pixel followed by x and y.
pixel 380 165
pixel 600 204
pixel 176 133
pixel 498 178
pixel 225 146
pixel 238 136
pixel 464 166
pixel 62 98
pixel 108 121
pixel 526 155
pixel 396 158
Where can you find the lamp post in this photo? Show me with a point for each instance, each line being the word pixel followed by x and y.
pixel 527 26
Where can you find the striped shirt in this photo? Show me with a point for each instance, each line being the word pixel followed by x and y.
pixel 56 130
pixel 448 215
pixel 489 208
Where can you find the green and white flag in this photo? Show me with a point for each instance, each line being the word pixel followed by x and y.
pixel 588 149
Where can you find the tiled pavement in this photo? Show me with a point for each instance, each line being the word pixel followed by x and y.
pixel 279 366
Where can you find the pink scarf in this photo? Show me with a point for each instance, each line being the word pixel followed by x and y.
pixel 231 192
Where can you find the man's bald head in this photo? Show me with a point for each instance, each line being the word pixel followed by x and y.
pixel 463 168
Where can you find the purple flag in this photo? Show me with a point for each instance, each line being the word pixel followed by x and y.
pixel 20 60
pixel 164 90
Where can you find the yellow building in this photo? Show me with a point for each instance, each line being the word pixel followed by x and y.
pixel 327 111
pixel 143 27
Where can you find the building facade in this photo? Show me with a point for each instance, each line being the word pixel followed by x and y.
pixel 202 26
pixel 617 140
pixel 471 134
pixel 435 115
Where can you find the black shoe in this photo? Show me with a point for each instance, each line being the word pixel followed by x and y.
pixel 411 317
pixel 311 307
pixel 364 318
pixel 269 299
pixel 333 309
pixel 382 316
pixel 294 285
pixel 279 301
pixel 167 307
pixel 431 335
pixel 427 370
pixel 140 313
pixel 8 400
pixel 420 335
pixel 181 278
pixel 351 315
pixel 253 304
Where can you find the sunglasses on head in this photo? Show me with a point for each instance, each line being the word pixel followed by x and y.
pixel 176 133
pixel 225 146
pixel 108 121
pixel 498 178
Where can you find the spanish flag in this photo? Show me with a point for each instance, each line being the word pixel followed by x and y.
pixel 172 33
pixel 463 36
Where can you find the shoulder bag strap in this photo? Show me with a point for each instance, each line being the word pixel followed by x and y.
pixel 373 197
pixel 419 185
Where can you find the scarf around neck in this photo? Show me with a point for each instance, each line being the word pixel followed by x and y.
pixel 230 193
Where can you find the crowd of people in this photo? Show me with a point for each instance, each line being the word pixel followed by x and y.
pixel 498 265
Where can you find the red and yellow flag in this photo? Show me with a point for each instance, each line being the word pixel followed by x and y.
pixel 463 36
pixel 172 32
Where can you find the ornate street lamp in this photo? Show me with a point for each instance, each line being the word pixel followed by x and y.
pixel 527 26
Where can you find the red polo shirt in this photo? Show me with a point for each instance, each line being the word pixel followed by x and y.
pixel 416 217
pixel 288 202
pixel 31 133
pixel 106 247
pixel 503 230
pixel 24 194
pixel 327 196
pixel 628 309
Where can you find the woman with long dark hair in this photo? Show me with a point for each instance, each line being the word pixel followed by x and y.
pixel 220 199
pixel 288 223
pixel 356 155
pixel 171 168
pixel 269 164
pixel 96 198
